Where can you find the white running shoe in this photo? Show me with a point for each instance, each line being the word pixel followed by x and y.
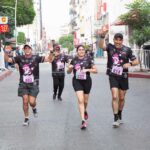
pixel 120 121
pixel 116 124
pixel 26 122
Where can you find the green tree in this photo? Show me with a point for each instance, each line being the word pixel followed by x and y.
pixel 138 19
pixel 66 42
pixel 25 13
pixel 21 38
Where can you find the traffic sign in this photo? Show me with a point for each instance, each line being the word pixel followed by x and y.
pixel 3 19
pixel 4 28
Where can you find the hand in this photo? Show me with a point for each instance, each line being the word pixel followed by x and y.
pixel 126 66
pixel 50 50
pixel 70 66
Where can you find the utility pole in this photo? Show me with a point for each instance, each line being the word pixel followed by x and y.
pixel 41 24
pixel 91 32
pixel 16 21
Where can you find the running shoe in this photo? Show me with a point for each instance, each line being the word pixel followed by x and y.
pixel 120 121
pixel 26 122
pixel 35 112
pixel 59 98
pixel 83 125
pixel 54 97
pixel 86 116
pixel 116 124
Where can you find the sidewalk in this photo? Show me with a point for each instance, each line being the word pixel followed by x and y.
pixel 133 72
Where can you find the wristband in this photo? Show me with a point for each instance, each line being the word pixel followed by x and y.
pixel 131 63
pixel 102 36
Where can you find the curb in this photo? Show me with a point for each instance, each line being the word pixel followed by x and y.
pixel 139 75
pixel 4 74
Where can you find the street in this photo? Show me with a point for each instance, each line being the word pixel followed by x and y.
pixel 58 124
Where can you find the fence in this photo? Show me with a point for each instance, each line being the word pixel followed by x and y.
pixel 144 58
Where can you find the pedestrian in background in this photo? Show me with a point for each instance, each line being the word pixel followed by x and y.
pixel 82 65
pixel 9 51
pixel 120 59
pixel 29 79
pixel 58 61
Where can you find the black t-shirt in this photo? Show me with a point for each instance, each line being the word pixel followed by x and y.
pixel 79 64
pixel 29 68
pixel 117 58
pixel 58 65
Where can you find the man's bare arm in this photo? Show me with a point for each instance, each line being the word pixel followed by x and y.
pixel 7 58
pixel 101 43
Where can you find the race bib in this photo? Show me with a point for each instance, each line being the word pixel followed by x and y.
pixel 60 65
pixel 80 75
pixel 117 70
pixel 28 79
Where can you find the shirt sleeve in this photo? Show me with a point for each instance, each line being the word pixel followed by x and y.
pixel 131 55
pixel 40 59
pixel 71 62
pixel 108 47
pixel 16 59
pixel 66 58
pixel 92 62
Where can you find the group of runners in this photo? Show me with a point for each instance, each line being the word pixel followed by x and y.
pixel 120 58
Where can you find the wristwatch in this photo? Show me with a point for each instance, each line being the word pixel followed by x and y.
pixel 131 63
pixel 102 36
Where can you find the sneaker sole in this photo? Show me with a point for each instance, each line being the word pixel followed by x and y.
pixel 35 116
pixel 115 125
pixel 83 128
pixel 25 124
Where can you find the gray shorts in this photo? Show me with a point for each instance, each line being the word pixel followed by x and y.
pixel 28 89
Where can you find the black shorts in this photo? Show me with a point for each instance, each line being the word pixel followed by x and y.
pixel 118 82
pixel 82 85
pixel 28 89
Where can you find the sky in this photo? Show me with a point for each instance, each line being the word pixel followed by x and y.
pixel 55 13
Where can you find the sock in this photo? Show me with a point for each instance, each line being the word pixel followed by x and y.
pixel 115 117
pixel 120 114
pixel 83 121
pixel 34 108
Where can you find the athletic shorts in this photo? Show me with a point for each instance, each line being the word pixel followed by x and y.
pixel 82 85
pixel 28 89
pixel 118 82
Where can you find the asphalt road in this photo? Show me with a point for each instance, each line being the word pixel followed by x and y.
pixel 58 124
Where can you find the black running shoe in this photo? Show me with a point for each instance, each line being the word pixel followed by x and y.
pixel 59 98
pixel 26 122
pixel 35 112
pixel 54 97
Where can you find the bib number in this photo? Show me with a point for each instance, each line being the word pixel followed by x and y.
pixel 80 75
pixel 117 70
pixel 60 65
pixel 28 79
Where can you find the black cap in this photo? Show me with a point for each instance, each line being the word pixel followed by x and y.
pixel 27 45
pixel 118 35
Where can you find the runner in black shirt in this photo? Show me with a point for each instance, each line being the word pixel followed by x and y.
pixel 82 65
pixel 29 79
pixel 120 58
pixel 58 61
